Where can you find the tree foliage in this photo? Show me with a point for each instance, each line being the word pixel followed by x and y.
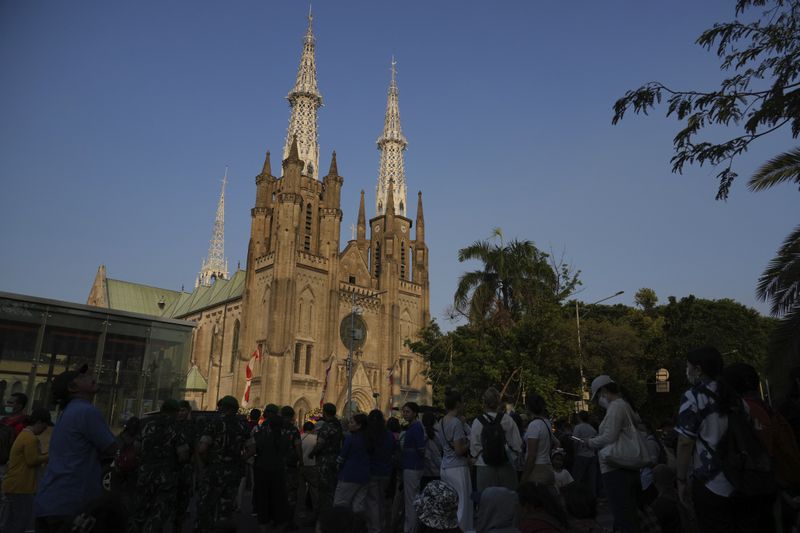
pixel 646 299
pixel 761 96
pixel 513 279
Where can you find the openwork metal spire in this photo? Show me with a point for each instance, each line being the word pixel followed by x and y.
pixel 305 99
pixel 215 266
pixel 392 144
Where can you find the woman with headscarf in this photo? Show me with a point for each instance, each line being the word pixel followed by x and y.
pixel 19 482
pixel 622 485
pixel 380 446
pixel 351 490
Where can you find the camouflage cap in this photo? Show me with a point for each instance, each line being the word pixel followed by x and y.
pixel 170 406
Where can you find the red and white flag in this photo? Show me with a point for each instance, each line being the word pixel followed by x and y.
pixel 391 388
pixel 248 375
pixel 325 384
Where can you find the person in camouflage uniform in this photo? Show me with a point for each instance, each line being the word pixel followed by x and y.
pixel 185 488
pixel 294 460
pixel 161 450
pixel 329 444
pixel 225 443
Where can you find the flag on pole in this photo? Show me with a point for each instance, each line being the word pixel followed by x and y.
pixel 391 388
pixel 248 375
pixel 325 384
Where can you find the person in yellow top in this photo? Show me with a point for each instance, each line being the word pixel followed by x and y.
pixel 19 483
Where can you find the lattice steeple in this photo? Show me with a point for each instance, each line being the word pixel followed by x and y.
pixel 215 266
pixel 305 99
pixel 392 144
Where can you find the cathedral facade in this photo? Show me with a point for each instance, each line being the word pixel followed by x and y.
pixel 311 318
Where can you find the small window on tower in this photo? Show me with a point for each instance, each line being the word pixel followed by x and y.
pixel 298 350
pixel 352 280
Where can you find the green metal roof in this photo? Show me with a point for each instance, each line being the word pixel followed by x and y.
pixel 144 299
pixel 195 380
pixel 138 298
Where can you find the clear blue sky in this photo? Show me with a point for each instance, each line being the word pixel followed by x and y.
pixel 117 119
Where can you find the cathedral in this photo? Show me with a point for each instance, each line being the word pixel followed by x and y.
pixel 310 319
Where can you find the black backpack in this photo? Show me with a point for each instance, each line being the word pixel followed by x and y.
pixel 741 456
pixel 493 440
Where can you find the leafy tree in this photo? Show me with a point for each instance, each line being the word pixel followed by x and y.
pixel 646 299
pixel 761 96
pixel 514 278
pixel 780 282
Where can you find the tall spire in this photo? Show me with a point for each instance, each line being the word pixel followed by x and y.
pixel 361 226
pixel 266 170
pixel 392 143
pixel 215 266
pixel 305 99
pixel 420 219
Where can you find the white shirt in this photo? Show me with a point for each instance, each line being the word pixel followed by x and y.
pixel 619 417
pixel 513 440
pixel 308 442
pixel 539 429
pixel 563 478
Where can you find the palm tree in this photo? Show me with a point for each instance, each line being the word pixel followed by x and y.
pixel 780 282
pixel 513 277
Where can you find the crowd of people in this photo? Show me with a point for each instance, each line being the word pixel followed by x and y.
pixel 729 462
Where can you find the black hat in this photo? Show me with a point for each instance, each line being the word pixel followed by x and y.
pixel 61 383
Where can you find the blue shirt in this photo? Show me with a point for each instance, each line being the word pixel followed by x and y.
pixel 355 459
pixel 414 444
pixel 380 462
pixel 73 478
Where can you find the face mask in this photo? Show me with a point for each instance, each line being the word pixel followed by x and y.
pixel 603 402
pixel 8 409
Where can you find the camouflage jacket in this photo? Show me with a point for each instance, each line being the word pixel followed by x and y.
pixel 228 436
pixel 329 440
pixel 159 444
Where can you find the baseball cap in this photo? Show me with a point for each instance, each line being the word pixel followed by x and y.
pixel 61 383
pixel 598 383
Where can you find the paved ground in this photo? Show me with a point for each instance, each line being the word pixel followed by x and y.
pixel 246 523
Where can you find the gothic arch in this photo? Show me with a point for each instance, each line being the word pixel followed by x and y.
pixel 406 324
pixel 305 310
pixel 301 409
pixel 362 401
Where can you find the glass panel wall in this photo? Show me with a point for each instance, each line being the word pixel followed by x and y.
pixel 138 360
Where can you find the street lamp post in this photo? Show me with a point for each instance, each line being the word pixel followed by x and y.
pixel 352 339
pixel 580 352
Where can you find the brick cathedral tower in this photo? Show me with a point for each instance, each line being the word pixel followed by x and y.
pixel 301 289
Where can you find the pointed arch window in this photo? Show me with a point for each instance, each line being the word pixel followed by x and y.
pixel 309 355
pixel 298 353
pixel 309 220
pixel 403 259
pixel 234 346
